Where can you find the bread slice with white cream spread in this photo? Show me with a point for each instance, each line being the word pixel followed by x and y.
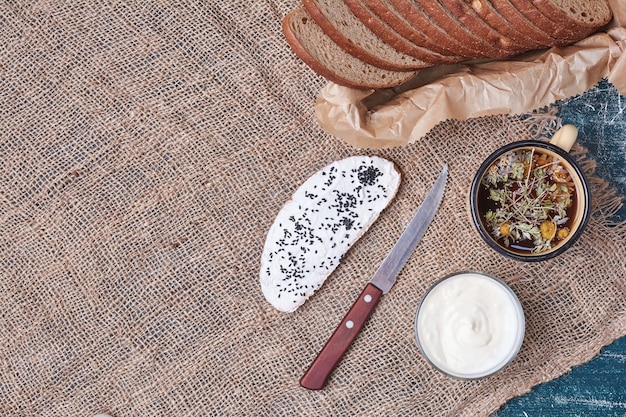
pixel 326 215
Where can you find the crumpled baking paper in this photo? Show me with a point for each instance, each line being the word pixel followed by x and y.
pixel 522 85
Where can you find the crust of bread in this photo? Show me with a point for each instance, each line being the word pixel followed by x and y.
pixel 485 11
pixel 342 79
pixel 503 35
pixel 430 38
pixel 419 19
pixel 521 22
pixel 387 34
pixel 489 47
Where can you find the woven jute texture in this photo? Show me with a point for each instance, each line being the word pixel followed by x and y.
pixel 145 150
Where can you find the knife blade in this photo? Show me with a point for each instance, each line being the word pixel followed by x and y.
pixel 381 282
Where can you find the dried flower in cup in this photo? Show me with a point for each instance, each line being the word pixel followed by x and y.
pixel 529 198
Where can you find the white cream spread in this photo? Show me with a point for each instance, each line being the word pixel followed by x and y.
pixel 470 325
pixel 323 219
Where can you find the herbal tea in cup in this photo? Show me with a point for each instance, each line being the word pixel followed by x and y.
pixel 530 200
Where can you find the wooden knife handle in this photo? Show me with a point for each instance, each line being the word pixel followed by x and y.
pixel 330 355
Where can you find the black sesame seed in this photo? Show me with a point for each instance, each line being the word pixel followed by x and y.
pixel 369 175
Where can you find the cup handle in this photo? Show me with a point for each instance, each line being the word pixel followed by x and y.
pixel 565 137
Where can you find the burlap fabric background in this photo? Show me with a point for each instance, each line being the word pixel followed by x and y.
pixel 146 149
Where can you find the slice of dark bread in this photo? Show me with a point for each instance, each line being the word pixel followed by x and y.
pixel 414 13
pixel 388 35
pixel 489 25
pixel 349 33
pixel 322 55
pixel 492 47
pixel 430 37
pixel 571 20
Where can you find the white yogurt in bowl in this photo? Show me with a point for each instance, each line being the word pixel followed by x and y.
pixel 469 325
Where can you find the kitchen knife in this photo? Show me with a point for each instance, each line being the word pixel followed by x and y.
pixel 316 376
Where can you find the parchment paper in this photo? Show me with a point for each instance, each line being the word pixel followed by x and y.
pixel 529 82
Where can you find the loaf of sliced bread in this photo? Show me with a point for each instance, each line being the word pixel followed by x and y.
pixel 323 56
pixel 375 44
pixel 325 216
pixel 347 31
pixel 388 35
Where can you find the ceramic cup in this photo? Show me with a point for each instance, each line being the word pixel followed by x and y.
pixel 469 325
pixel 543 219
